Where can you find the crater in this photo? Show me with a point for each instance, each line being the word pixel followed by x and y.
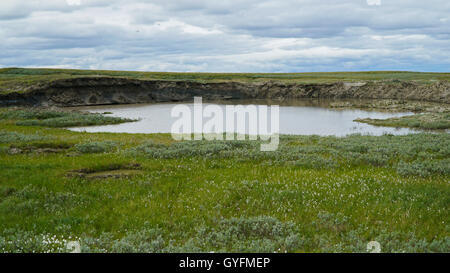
pixel 93 99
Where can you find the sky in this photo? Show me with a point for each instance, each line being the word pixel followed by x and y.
pixel 227 36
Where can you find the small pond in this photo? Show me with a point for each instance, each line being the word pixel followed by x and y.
pixel 297 117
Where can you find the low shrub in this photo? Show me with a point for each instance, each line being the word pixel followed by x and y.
pixel 58 118
pixel 424 168
pixel 95 147
pixel 20 241
pixel 30 114
pixel 12 137
pixel 325 152
pixel 73 120
pixel 254 234
pixel 189 148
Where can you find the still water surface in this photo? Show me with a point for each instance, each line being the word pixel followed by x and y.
pixel 297 117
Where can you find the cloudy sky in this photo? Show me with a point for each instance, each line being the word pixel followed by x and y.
pixel 227 35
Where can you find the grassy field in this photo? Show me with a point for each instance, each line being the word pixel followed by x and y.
pixel 20 79
pixel 147 193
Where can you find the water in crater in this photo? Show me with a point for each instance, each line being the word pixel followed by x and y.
pixel 296 117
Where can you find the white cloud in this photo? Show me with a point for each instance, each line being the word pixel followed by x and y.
pixel 232 36
pixel 373 2
pixel 73 2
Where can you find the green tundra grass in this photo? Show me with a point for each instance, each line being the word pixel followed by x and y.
pixel 20 79
pixel 432 121
pixel 146 193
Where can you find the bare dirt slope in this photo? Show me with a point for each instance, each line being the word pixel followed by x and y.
pixel 113 90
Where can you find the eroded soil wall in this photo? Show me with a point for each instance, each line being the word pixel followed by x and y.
pixel 105 90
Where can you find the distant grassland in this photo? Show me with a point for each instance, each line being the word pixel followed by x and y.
pixel 19 79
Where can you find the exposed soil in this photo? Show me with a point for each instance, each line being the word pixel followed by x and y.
pixel 113 90
pixel 42 148
pixel 113 174
pixel 115 171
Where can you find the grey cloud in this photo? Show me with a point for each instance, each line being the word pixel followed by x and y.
pixel 232 36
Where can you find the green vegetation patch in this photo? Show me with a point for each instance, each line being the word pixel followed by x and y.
pixel 260 234
pixel 13 137
pixel 253 234
pixel 148 193
pixel 424 168
pixel 429 121
pixel 192 148
pixel 96 147
pixel 57 118
pixel 312 152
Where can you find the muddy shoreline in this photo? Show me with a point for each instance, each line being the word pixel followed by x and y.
pixel 85 91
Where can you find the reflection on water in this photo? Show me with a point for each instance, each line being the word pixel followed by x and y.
pixel 297 117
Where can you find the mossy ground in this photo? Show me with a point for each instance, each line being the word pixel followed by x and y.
pixel 316 194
